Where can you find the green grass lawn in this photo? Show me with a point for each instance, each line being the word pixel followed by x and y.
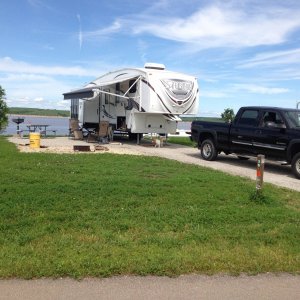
pixel 181 140
pixel 103 214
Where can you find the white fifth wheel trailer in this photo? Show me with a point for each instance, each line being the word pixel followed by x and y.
pixel 136 100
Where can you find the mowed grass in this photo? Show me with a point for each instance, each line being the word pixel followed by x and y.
pixel 101 215
pixel 181 140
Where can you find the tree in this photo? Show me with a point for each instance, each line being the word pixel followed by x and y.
pixel 3 110
pixel 228 115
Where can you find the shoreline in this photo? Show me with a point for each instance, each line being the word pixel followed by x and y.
pixel 35 116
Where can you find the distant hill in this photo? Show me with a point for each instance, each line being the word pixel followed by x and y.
pixel 208 119
pixel 38 112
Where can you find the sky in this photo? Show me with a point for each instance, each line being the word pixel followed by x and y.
pixel 243 52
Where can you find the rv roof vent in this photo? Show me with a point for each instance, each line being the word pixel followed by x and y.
pixel 154 66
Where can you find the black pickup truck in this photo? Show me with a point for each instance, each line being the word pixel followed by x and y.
pixel 271 131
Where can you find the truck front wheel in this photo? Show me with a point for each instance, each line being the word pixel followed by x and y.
pixel 296 165
pixel 208 150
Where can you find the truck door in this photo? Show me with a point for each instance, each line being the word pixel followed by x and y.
pixel 242 131
pixel 270 137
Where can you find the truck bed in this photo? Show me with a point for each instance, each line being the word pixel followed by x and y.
pixel 220 130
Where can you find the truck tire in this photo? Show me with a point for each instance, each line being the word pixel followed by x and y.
pixel 296 165
pixel 208 150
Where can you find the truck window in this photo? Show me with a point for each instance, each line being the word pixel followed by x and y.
pixel 293 118
pixel 248 117
pixel 272 118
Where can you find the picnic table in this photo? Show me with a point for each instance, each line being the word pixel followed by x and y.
pixel 41 127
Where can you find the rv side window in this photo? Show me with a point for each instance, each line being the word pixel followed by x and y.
pixel 118 91
pixel 106 96
pixel 133 88
pixel 248 118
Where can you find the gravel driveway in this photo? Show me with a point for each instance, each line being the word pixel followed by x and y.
pixel 274 172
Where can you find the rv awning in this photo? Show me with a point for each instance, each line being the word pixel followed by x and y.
pixel 99 84
pixel 79 94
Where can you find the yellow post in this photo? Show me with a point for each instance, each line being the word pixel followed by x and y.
pixel 35 140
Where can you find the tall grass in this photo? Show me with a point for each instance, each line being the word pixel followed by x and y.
pixel 102 215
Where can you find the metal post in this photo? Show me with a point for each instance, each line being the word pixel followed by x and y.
pixel 298 104
pixel 260 171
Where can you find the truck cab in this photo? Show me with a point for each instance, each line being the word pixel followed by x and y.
pixel 271 131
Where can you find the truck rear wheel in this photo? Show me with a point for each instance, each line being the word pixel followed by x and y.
pixel 208 150
pixel 296 165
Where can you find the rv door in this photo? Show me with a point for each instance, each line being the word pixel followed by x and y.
pixel 91 111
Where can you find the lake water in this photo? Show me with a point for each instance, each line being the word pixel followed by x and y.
pixel 58 124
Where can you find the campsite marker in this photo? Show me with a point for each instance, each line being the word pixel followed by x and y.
pixel 260 171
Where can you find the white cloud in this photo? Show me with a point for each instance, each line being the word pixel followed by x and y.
pixel 35 3
pixel 217 25
pixel 13 78
pixel 40 4
pixel 113 28
pixel 142 49
pixel 34 90
pixel 212 94
pixel 273 58
pixel 257 89
pixel 7 64
pixel 37 85
pixel 38 99
pixel 80 39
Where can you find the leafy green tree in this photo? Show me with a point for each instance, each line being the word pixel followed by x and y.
pixel 228 115
pixel 3 110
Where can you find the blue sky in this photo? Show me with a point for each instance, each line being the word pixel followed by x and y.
pixel 243 52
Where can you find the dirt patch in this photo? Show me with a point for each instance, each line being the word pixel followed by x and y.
pixel 66 145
